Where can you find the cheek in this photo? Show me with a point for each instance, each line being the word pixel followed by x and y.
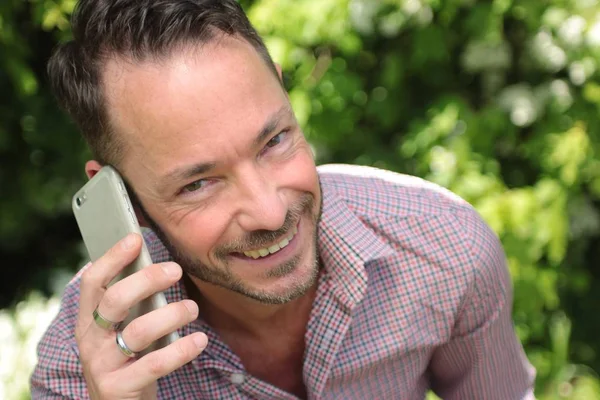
pixel 199 232
pixel 300 173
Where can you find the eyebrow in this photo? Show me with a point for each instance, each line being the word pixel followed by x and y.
pixel 203 168
pixel 271 124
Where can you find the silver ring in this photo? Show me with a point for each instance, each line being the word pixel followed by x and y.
pixel 123 347
pixel 105 323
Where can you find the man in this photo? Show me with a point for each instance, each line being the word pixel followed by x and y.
pixel 284 281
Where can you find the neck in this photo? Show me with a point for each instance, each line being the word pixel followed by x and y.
pixel 227 311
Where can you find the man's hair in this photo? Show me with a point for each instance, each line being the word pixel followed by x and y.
pixel 137 31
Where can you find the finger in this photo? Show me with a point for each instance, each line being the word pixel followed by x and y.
pixel 159 363
pixel 95 279
pixel 144 330
pixel 129 291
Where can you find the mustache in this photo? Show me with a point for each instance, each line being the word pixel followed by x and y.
pixel 262 238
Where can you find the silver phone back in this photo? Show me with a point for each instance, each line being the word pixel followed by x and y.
pixel 105 215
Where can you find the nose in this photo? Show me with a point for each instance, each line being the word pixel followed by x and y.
pixel 262 206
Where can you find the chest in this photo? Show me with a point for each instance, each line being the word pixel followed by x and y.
pixel 279 363
pixel 386 372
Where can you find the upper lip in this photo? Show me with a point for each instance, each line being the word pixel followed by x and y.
pixel 274 242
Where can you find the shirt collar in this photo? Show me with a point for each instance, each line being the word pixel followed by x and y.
pixel 346 244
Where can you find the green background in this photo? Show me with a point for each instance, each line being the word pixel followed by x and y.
pixel 496 100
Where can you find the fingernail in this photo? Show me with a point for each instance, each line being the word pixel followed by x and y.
pixel 128 241
pixel 191 306
pixel 171 269
pixel 200 340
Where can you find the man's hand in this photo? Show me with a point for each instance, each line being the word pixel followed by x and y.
pixel 108 372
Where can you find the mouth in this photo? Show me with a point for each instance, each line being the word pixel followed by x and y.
pixel 272 249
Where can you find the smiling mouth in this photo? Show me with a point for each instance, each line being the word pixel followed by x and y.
pixel 267 251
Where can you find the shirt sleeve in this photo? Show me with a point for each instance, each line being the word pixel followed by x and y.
pixel 58 373
pixel 483 358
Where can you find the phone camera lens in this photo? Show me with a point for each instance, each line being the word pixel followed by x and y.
pixel 78 201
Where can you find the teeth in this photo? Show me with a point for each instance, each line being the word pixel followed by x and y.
pixel 273 249
pixel 254 254
pixel 263 252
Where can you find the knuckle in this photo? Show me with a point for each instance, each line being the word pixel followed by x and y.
pixel 118 252
pixel 92 367
pixel 181 350
pixel 114 251
pixel 83 353
pixel 156 365
pixel 182 312
pixel 106 390
pixel 150 275
pixel 187 350
pixel 80 331
pixel 89 277
pixel 135 332
pixel 112 298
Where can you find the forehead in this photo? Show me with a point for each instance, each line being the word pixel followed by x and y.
pixel 192 103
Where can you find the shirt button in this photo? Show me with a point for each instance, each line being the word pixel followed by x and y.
pixel 237 378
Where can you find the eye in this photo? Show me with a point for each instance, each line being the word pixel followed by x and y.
pixel 194 186
pixel 277 139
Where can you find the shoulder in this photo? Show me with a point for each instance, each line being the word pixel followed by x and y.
pixel 61 332
pixel 379 193
pixel 418 217
pixel 58 370
pixel 388 201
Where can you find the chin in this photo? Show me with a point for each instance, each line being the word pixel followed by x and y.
pixel 280 288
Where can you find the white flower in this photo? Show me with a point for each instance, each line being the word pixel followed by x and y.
pixel 411 7
pixel 593 35
pixel 442 161
pixel 362 15
pixel 561 94
pixel 547 53
pixel 577 73
pixel 571 31
pixel 482 56
pixel 20 332
pixel 521 104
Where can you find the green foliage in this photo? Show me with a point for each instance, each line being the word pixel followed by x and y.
pixel 40 151
pixel 496 100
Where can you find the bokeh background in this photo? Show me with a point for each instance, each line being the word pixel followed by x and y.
pixel 497 100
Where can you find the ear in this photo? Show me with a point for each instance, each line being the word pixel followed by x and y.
pixel 279 72
pixel 91 168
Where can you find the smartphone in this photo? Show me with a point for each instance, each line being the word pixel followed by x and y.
pixel 105 215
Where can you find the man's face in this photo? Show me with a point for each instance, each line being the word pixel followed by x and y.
pixel 221 167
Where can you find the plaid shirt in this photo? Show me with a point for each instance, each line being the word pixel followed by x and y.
pixel 415 295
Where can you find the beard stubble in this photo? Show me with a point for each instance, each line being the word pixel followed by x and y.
pixel 223 275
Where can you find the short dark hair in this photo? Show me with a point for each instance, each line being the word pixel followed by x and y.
pixel 136 30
